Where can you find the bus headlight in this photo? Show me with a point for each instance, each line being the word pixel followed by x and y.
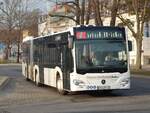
pixel 78 82
pixel 125 82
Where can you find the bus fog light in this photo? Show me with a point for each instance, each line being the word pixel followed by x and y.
pixel 78 82
pixel 125 81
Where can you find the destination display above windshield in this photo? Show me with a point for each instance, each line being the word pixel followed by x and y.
pixel 99 34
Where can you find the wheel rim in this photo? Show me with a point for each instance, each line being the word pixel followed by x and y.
pixel 26 72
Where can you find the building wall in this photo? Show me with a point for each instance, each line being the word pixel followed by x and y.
pixel 146 44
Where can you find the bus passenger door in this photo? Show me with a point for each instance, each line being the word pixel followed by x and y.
pixel 68 67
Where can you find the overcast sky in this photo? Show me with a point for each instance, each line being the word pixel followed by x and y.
pixel 44 5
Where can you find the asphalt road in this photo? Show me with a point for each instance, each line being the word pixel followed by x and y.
pixel 20 96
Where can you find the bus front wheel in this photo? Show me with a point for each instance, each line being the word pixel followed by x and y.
pixel 60 89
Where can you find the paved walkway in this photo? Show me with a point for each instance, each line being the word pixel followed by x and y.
pixel 144 68
pixel 147 67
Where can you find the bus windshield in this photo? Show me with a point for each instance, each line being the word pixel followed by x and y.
pixel 94 56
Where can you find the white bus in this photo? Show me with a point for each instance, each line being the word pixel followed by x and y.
pixel 85 58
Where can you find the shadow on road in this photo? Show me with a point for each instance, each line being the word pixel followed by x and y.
pixel 139 87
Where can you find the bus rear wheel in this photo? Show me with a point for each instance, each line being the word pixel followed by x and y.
pixel 37 83
pixel 59 86
pixel 26 75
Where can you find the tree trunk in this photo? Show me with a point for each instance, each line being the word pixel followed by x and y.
pixel 88 12
pixel 138 39
pixel 138 54
pixel 18 52
pixel 7 52
pixel 77 13
pixel 97 12
pixel 82 12
pixel 114 11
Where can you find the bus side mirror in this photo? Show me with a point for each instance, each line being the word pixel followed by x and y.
pixel 70 42
pixel 130 45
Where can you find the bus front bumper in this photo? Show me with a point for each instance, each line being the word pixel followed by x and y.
pixel 99 83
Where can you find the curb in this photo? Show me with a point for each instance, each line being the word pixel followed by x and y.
pixel 4 82
pixel 11 64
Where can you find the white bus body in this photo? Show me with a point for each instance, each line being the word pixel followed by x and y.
pixel 64 60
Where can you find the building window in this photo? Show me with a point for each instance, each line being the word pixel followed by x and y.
pixel 146 29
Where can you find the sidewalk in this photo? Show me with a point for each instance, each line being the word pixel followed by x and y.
pixel 3 81
pixel 144 71
pixel 146 68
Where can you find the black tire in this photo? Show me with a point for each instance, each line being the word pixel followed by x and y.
pixel 108 92
pixel 27 79
pixel 37 83
pixel 59 87
pixel 26 74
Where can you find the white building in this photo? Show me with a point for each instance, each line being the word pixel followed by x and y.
pixel 44 25
pixel 146 44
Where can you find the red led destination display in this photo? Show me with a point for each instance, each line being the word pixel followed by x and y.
pixel 98 34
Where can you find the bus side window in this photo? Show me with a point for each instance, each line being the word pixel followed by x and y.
pixel 36 56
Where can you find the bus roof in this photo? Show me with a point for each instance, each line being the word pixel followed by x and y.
pixel 27 38
pixel 71 31
pixel 51 34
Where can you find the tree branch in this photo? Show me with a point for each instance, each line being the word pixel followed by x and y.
pixel 64 16
pixel 125 22
pixel 5 12
pixel 69 2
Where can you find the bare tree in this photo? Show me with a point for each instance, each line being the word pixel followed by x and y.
pixel 8 9
pixel 21 16
pixel 142 12
pixel 15 17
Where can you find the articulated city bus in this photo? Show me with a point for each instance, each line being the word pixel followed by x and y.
pixel 85 58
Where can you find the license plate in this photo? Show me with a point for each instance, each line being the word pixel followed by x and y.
pixel 103 87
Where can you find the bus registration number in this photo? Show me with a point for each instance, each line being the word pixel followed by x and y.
pixel 103 87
